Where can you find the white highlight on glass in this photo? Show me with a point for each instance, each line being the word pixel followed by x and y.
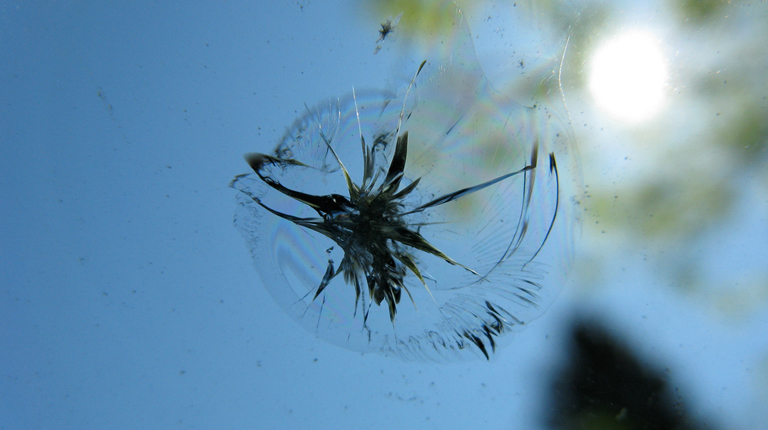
pixel 628 75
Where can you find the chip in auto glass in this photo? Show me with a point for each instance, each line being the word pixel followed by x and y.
pixel 428 224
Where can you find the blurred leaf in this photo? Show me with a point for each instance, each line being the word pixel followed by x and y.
pixel 698 12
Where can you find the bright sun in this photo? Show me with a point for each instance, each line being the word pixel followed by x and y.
pixel 628 75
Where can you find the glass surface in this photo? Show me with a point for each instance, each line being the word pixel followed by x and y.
pixel 128 298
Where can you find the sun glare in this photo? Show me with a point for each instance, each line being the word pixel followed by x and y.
pixel 628 75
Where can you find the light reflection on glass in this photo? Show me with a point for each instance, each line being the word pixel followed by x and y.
pixel 628 75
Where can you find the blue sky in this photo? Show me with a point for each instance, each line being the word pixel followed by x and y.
pixel 127 297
